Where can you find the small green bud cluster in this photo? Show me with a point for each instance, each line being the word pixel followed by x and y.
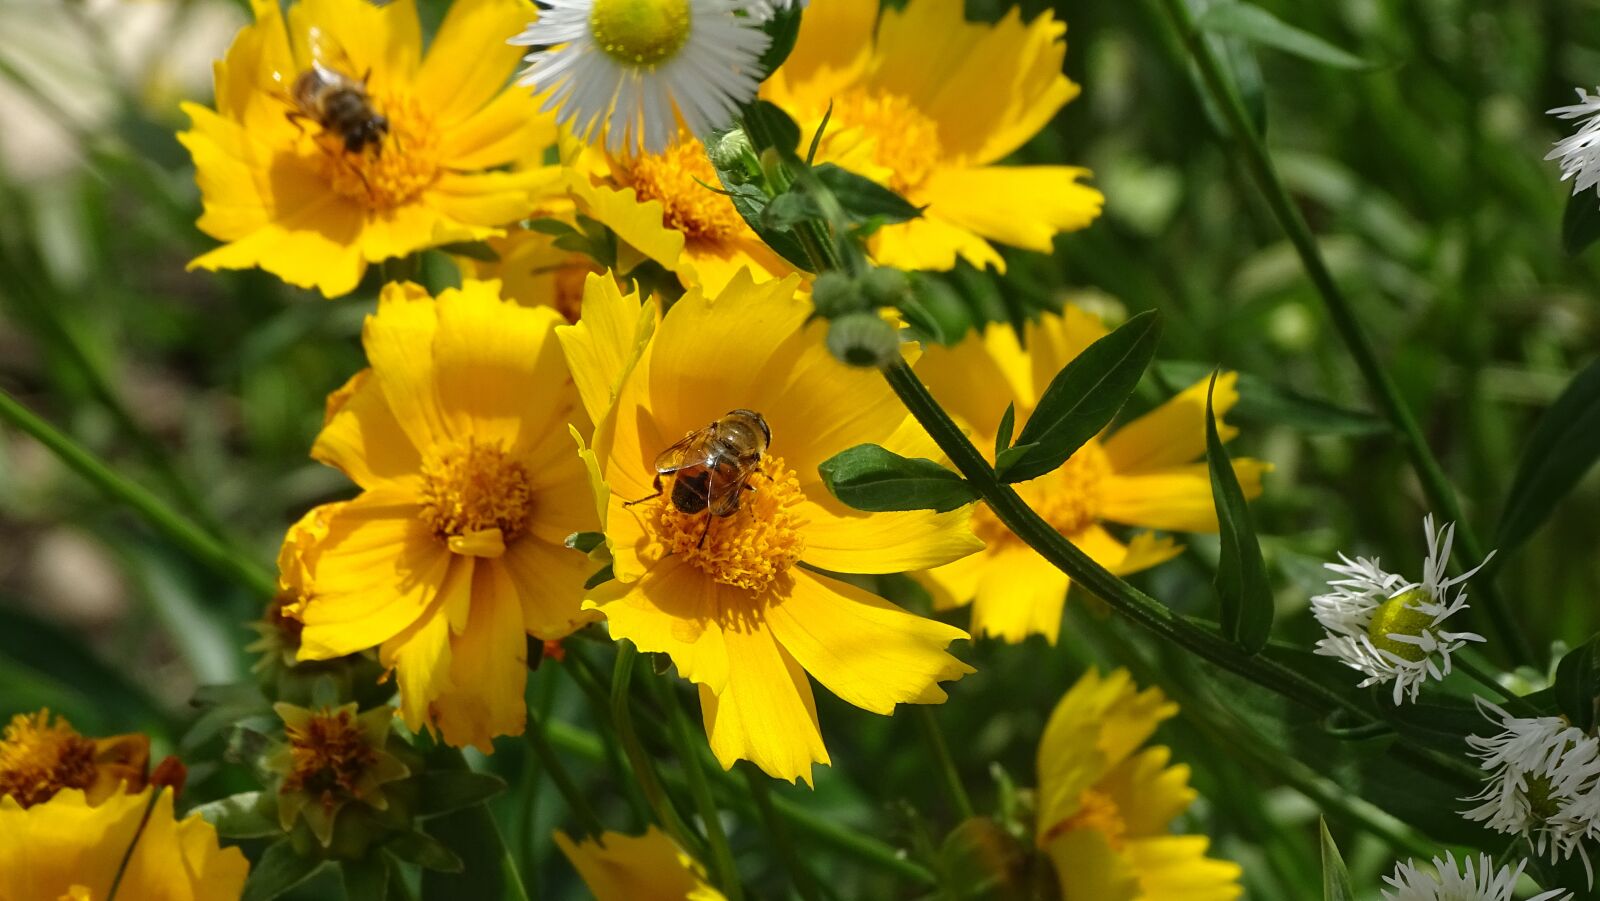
pixel 857 334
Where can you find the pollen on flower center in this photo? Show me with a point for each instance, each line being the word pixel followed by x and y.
pixel 473 494
pixel 640 32
pixel 39 758
pixel 751 547
pixel 905 140
pixel 1399 616
pixel 677 178
pixel 328 753
pixel 1097 811
pixel 1069 498
pixel 389 173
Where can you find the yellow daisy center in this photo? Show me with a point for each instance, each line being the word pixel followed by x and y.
pixel 393 171
pixel 677 178
pixel 751 547
pixel 1398 616
pixel 328 754
pixel 475 497
pixel 39 758
pixel 1069 499
pixel 1097 811
pixel 640 32
pixel 905 140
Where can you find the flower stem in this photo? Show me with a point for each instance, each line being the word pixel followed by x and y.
pixel 1441 495
pixel 576 802
pixel 588 680
pixel 804 882
pixel 1516 702
pixel 643 768
pixel 180 531
pixel 684 739
pixel 946 764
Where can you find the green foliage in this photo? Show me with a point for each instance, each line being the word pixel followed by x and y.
pixel 869 477
pixel 1253 23
pixel 1335 877
pixel 1563 446
pixel 1242 583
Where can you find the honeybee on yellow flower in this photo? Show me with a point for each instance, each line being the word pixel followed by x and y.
pixel 336 101
pixel 711 467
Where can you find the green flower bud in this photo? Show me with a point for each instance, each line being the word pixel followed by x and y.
pixel 885 287
pixel 733 154
pixel 863 339
pixel 835 294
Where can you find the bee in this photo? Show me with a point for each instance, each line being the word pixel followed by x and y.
pixel 337 102
pixel 711 467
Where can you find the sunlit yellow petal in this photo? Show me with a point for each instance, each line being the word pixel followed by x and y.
pixel 648 867
pixel 365 442
pixel 766 713
pixel 1177 499
pixel 1175 866
pixel 1019 594
pixel 1175 432
pixel 1089 869
pixel 488 666
pixel 466 67
pixel 673 609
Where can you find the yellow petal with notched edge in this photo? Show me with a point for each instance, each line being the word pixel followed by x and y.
pixel 841 539
pixel 466 66
pixel 606 341
pixel 363 440
pixel 1175 866
pixel 648 867
pixel 420 657
pixel 862 648
pixel 1175 432
pixel 1089 869
pixel 765 714
pixel 675 610
pixel 488 666
pixel 1149 794
pixel 1018 594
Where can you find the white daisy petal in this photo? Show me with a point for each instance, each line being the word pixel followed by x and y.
pixel 1478 881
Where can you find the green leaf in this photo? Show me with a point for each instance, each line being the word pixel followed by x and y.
pixel 1263 401
pixel 443 791
pixel 921 318
pixel 1241 573
pixel 784 29
pixel 1335 878
pixel 864 198
pixel 552 227
pixel 472 250
pixel 749 200
pixel 1580 223
pixel 239 816
pixel 601 576
pixel 789 209
pixel 368 879
pixel 1256 24
pixel 585 541
pixel 769 126
pixel 279 870
pixel 868 477
pixel 1083 398
pixel 1576 686
pixel 1563 446
pixel 426 851
pixel 1002 438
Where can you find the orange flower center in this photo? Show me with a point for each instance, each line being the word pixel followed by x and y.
pixel 674 177
pixel 39 758
pixel 328 754
pixel 1097 811
pixel 1070 499
pixel 751 547
pixel 386 174
pixel 475 498
pixel 905 141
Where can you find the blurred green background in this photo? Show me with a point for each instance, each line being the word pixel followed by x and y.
pixel 1423 177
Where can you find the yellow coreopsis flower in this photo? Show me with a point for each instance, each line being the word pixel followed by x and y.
pixel 39 758
pixel 1105 806
pixel 298 200
pixel 926 102
pixel 453 553
pixel 1148 473
pixel 67 848
pixel 723 596
pixel 649 867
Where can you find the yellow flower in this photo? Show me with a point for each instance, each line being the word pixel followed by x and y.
pixel 39 758
pixel 533 271
pixel 661 207
pixel 926 102
pixel 1143 474
pixel 332 756
pixel 286 196
pixel 68 848
pixel 649 867
pixel 453 553
pixel 1104 805
pixel 724 598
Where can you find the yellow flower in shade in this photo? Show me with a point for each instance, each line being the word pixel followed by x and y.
pixel 1149 473
pixel 67 848
pixel 661 207
pixel 332 757
pixel 1105 805
pixel 926 103
pixel 280 626
pixel 724 598
pixel 649 867
pixel 453 553
pixel 39 758
pixel 286 195
pixel 533 271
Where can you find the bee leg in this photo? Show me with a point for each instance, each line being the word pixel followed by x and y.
pixel 297 119
pixel 648 497
pixel 705 531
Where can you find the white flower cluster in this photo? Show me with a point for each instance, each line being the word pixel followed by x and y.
pixel 1389 628
pixel 1480 882
pixel 1544 783
pixel 1580 152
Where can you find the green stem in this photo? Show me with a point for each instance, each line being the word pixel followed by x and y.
pixel 193 539
pixel 508 863
pixel 1513 701
pixel 761 792
pixel 579 805
pixel 945 763
pixel 583 673
pixel 727 871
pixel 643 768
pixel 1441 495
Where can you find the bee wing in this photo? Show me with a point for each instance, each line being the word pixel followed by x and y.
pixel 688 451
pixel 326 53
pixel 725 490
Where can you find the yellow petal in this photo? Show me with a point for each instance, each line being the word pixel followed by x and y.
pixel 359 38
pixel 1019 594
pixel 1053 341
pixel 851 541
pixel 1089 869
pixel 488 666
pixel 637 223
pixel 1095 725
pixel 399 345
pixel 1175 866
pixel 672 609
pixel 1148 793
pixel 1024 206
pixel 1175 432
pixel 474 205
pixel 606 342
pixel 648 867
pixel 420 656
pixel 549 580
pixel 711 265
pixel 932 244
pixel 830 53
pixel 1177 499
pixel 469 60
pixel 363 440
pixel 766 713
pixel 977 378
pixel 864 649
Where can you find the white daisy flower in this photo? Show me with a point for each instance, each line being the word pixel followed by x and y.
pixel 1580 152
pixel 634 69
pixel 1389 628
pixel 1480 882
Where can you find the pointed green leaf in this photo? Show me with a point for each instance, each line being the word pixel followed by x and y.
pixel 442 791
pixel 472 250
pixel 1256 24
pixel 425 851
pixel 1002 438
pixel 279 870
pixel 1263 401
pixel 1083 398
pixel 1335 878
pixel 239 816
pixel 1241 582
pixel 868 477
pixel 1563 446
pixel 1580 222
pixel 1576 686
pixel 367 879
pixel 864 198
pixel 767 125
